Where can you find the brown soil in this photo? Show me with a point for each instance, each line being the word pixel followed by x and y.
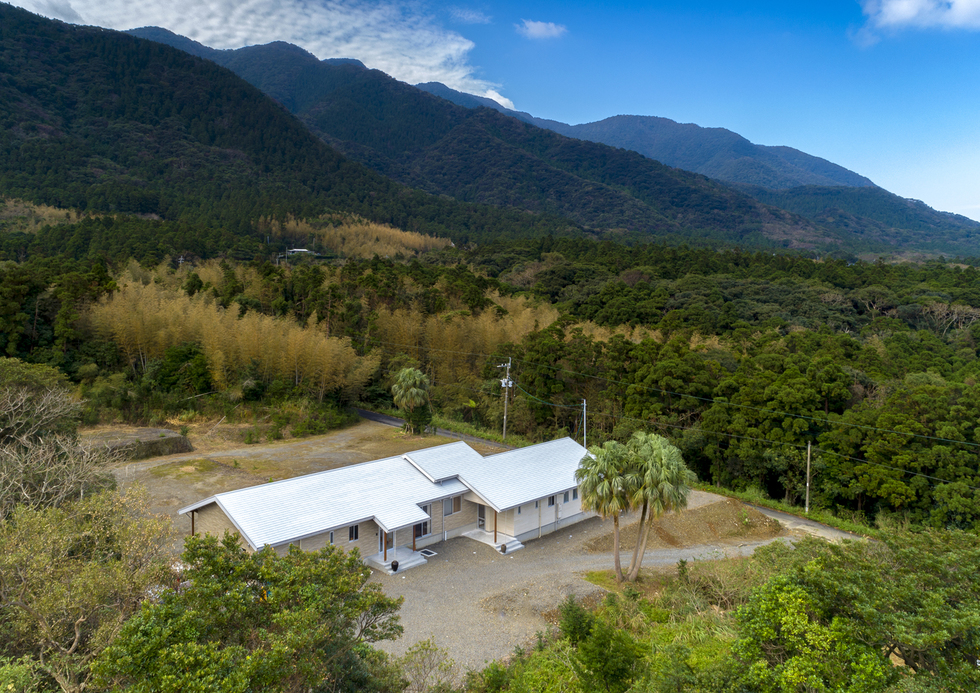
pixel 724 522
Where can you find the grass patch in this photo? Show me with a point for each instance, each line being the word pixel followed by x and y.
pixel 649 583
pixel 469 429
pixel 184 469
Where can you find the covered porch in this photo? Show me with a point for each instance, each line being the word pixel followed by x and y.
pixel 392 558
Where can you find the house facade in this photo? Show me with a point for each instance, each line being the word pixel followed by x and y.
pixel 391 509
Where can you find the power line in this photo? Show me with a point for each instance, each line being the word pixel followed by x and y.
pixel 712 400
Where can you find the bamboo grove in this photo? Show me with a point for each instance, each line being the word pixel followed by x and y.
pixel 742 360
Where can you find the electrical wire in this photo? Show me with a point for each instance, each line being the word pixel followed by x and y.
pixel 678 394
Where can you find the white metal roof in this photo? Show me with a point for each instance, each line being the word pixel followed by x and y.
pixel 444 461
pixel 389 491
pixel 512 478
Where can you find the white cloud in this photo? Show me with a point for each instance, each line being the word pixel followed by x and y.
pixel 502 100
pixel 539 30
pixel 394 36
pixel 897 14
pixel 467 16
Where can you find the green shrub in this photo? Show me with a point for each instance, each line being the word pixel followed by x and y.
pixel 576 621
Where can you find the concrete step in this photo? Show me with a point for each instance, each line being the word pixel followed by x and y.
pixel 510 547
pixel 406 559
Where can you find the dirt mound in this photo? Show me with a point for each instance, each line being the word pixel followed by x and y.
pixel 725 521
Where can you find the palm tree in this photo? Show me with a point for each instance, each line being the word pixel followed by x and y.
pixel 604 477
pixel 411 394
pixel 662 487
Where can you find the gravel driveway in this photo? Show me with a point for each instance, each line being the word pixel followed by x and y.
pixel 480 605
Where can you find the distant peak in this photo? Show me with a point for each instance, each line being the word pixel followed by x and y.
pixel 344 61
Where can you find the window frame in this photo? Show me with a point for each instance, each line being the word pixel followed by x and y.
pixel 455 504
pixel 551 501
pixel 353 533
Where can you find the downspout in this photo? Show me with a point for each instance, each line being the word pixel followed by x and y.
pixel 538 503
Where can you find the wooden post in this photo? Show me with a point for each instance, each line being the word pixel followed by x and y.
pixel 413 539
pixel 494 526
pixel 192 522
pixel 384 542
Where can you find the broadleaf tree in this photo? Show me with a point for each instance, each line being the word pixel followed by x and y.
pixel 255 621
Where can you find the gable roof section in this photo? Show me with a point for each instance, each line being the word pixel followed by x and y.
pixel 389 491
pixel 445 461
pixel 516 477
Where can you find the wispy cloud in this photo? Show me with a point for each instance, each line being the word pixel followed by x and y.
pixel 395 36
pixel 539 30
pixel 898 14
pixel 467 16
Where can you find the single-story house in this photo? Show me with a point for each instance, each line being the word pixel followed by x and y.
pixel 392 508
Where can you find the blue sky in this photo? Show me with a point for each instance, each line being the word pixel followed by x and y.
pixel 887 88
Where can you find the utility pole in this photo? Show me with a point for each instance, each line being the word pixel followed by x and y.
pixel 506 384
pixel 584 422
pixel 807 509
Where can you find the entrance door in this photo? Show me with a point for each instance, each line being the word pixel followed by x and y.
pixel 481 517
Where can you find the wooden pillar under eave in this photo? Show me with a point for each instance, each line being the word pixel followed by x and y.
pixel 494 526
pixel 384 542
pixel 192 522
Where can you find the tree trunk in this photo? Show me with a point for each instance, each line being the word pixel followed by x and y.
pixel 635 571
pixel 636 548
pixel 616 562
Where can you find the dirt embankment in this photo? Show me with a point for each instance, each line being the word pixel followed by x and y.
pixel 717 523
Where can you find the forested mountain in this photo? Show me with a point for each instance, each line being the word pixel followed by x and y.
pixel 828 195
pixel 714 152
pixel 101 121
pixel 483 156
pixel 878 216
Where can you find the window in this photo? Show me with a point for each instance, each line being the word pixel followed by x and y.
pixel 331 537
pixel 565 497
pixel 574 494
pixel 452 505
pixel 535 505
pixel 518 510
pixel 551 501
pixel 352 533
pixel 422 528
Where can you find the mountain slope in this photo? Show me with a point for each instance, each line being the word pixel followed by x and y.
pixel 847 205
pixel 713 152
pixel 98 120
pixel 483 156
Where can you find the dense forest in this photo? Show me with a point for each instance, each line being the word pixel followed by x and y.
pixel 743 359
pixel 153 205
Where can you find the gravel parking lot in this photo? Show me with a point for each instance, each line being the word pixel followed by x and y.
pixel 479 605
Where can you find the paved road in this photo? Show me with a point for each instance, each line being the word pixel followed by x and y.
pixel 802 524
pixel 395 421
